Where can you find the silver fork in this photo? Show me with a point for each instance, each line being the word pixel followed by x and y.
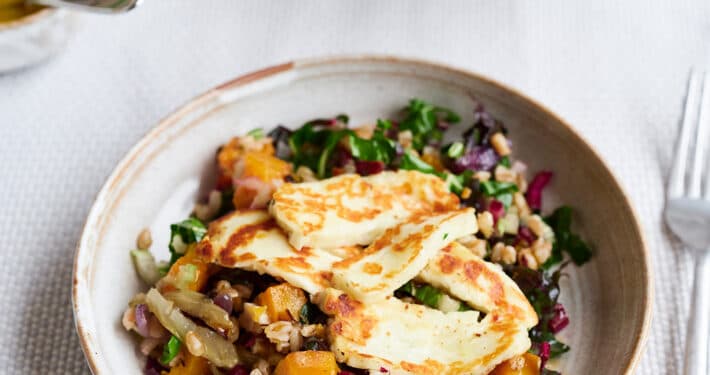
pixel 688 213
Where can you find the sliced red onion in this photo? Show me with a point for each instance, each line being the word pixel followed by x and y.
pixel 496 208
pixel 344 372
pixel 224 301
pixel 534 193
pixel 382 369
pixel 238 370
pixel 560 320
pixel 366 168
pixel 141 313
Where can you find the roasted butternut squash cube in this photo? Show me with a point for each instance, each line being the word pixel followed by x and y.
pixel 192 365
pixel 526 364
pixel 264 166
pixel 282 302
pixel 308 363
pixel 189 272
pixel 260 174
pixel 236 148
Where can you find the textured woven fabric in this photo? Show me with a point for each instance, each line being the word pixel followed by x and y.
pixel 614 69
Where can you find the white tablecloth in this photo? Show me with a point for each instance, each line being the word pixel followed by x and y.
pixel 615 69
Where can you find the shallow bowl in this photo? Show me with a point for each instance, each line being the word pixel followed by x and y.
pixel 608 299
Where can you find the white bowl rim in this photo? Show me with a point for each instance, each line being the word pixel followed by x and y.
pixel 80 286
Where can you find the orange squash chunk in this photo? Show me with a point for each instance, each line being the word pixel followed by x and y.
pixel 192 365
pixel 526 364
pixel 235 149
pixel 307 363
pixel 192 265
pixel 282 302
pixel 264 166
pixel 260 170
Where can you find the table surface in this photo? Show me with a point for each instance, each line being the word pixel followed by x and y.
pixel 616 70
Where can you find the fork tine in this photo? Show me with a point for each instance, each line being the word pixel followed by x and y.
pixel 676 180
pixel 698 165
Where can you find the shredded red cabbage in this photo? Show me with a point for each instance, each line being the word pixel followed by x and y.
pixel 525 234
pixel 543 351
pixel 559 319
pixel 534 193
pixel 496 208
pixel 477 158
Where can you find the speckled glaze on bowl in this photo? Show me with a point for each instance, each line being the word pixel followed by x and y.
pixel 609 299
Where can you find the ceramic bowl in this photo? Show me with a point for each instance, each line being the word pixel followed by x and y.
pixel 608 299
pixel 32 39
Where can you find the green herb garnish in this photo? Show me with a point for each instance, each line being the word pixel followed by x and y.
pixel 421 120
pixel 565 241
pixel 182 234
pixel 170 350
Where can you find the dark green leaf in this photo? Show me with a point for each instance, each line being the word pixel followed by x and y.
pixel 184 233
pixel 343 118
pixel 496 188
pixel 504 161
pixel 558 348
pixel 407 288
pixel 170 350
pixel 384 124
pixel 411 161
pixel 421 119
pixel 377 148
pixel 306 143
pixel 578 250
pixel 330 144
pixel 565 241
pixel 428 295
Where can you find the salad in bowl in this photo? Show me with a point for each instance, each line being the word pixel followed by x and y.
pixel 400 247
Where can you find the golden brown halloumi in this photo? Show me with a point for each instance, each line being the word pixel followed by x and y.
pixel 353 210
pixel 253 241
pixel 400 253
pixel 482 285
pixel 406 338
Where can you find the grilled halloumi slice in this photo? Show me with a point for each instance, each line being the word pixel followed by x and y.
pixel 406 338
pixel 253 241
pixel 353 210
pixel 482 285
pixel 400 254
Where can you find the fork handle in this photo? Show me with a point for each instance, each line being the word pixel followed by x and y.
pixel 696 350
